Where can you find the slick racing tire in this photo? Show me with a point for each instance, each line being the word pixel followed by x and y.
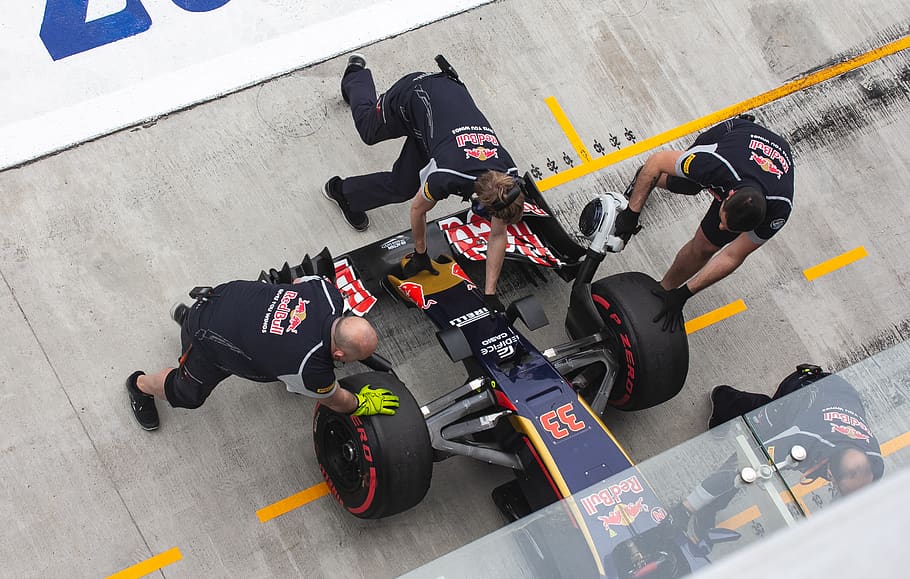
pixel 375 466
pixel 651 365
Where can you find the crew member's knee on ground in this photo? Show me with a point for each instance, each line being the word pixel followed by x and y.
pixel 182 391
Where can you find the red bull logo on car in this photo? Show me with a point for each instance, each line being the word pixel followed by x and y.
pixel 457 271
pixel 611 494
pixel 414 291
pixel 623 515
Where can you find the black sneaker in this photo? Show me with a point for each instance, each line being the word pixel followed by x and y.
pixel 179 312
pixel 356 219
pixel 355 62
pixel 143 404
pixel 717 395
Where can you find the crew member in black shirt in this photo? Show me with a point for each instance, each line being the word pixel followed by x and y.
pixel 264 332
pixel 449 150
pixel 749 170
pixel 827 418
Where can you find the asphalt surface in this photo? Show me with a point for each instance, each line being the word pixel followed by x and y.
pixel 99 240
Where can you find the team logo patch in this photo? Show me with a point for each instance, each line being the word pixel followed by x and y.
pixel 687 162
pixel 766 164
pixel 297 315
pixel 480 153
pixel 778 223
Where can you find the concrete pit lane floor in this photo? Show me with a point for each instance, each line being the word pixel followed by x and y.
pixel 98 241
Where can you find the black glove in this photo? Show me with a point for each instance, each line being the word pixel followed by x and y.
pixel 419 262
pixel 674 300
pixel 626 224
pixel 492 302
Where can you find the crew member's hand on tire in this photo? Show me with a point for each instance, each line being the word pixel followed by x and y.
pixel 419 262
pixel 671 312
pixel 375 401
pixel 626 224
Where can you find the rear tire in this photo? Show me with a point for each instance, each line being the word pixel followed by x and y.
pixel 375 466
pixel 651 364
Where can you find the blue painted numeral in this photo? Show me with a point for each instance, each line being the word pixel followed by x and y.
pixel 65 31
pixel 200 5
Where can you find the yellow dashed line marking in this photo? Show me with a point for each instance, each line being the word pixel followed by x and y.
pixel 723 114
pixel 835 263
pixel 712 317
pixel 740 519
pixel 896 444
pixel 568 129
pixel 292 502
pixel 149 565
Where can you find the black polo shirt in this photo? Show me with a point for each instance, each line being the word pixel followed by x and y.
pixel 267 332
pixel 739 152
pixel 821 417
pixel 456 137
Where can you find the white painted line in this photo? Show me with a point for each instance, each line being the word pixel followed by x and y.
pixel 182 59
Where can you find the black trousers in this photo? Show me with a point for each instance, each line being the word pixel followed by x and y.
pixel 378 120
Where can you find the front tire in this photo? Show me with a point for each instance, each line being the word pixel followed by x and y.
pixel 375 466
pixel 651 364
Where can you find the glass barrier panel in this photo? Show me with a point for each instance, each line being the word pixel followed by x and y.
pixel 666 517
pixel 831 435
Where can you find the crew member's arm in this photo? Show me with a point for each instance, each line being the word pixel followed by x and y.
pixel 341 401
pixel 496 254
pixel 653 174
pixel 723 263
pixel 420 206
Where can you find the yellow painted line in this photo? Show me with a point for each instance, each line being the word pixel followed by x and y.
pixel 292 502
pixel 568 129
pixel 149 565
pixel 740 519
pixel 835 263
pixel 896 444
pixel 712 317
pixel 723 114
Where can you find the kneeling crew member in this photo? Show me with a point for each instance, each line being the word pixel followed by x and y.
pixel 264 332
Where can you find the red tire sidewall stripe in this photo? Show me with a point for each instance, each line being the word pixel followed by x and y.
pixel 371 493
pixel 625 341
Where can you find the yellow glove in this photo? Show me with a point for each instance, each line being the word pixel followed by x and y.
pixel 378 401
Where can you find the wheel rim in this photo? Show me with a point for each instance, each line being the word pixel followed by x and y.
pixel 341 455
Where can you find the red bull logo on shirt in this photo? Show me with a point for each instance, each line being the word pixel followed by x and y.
pixel 480 153
pixel 771 152
pixel 849 432
pixel 281 312
pixel 414 291
pixel 475 138
pixel 297 315
pixel 766 164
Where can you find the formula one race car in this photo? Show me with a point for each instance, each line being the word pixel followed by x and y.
pixel 536 412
